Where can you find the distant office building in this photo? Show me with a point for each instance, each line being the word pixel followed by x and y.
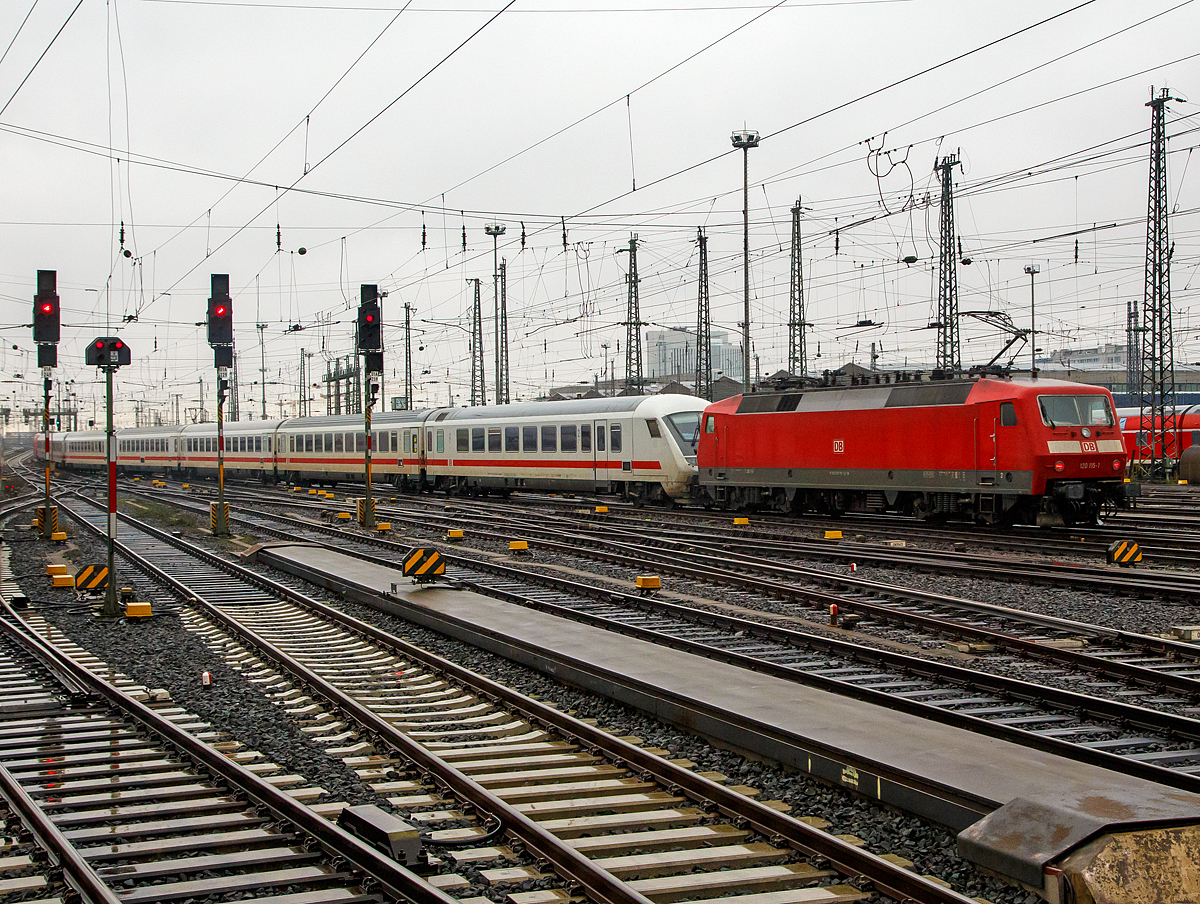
pixel 1107 357
pixel 672 353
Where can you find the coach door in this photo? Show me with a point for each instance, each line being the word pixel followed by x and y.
pixel 600 455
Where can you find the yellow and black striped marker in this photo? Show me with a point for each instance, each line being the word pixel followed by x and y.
pixel 218 518
pixel 37 519
pixel 423 564
pixel 1124 553
pixel 92 579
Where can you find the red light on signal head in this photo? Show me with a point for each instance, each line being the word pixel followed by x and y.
pixel 370 318
pixel 220 312
pixel 100 343
pixel 118 344
pixel 47 307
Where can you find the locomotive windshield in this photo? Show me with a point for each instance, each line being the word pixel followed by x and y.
pixel 686 427
pixel 1075 411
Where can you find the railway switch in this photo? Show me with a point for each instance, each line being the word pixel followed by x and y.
pixel 1124 553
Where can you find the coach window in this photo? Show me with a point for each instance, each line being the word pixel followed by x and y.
pixel 1008 414
pixel 549 438
pixel 710 424
pixel 360 441
pixel 441 441
pixel 512 439
pixel 529 439
pixel 395 446
pixel 585 437
pixel 614 438
pixel 428 441
pixel 328 442
pixel 568 437
pixel 462 440
pixel 477 439
pixel 339 442
pixel 308 442
pixel 494 439
pixel 416 441
pixel 599 437
pixel 258 444
pixel 652 426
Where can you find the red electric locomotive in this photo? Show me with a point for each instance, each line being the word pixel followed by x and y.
pixel 988 448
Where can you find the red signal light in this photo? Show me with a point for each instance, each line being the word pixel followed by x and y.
pixel 47 307
pixel 220 310
pixel 118 344
pixel 370 318
pixel 100 343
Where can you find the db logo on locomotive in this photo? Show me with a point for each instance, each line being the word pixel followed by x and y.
pixel 839 445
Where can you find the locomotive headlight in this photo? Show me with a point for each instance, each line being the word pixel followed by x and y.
pixel 1086 432
pixel 1059 465
pixel 1116 464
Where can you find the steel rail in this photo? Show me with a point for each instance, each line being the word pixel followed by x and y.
pixel 1062 700
pixel 708 571
pixel 599 883
pixel 890 879
pixel 391 876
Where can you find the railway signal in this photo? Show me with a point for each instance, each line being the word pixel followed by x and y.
pixel 109 353
pixel 370 346
pixel 220 337
pixel 47 327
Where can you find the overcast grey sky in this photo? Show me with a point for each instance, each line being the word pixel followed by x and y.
pixel 546 111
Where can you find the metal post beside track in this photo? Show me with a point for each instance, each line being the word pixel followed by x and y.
pixel 368 514
pixel 47 524
pixel 110 608
pixel 220 524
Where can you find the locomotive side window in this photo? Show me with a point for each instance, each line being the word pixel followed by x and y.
pixel 585 437
pixel 529 439
pixel 549 438
pixel 494 439
pixel 1008 414
pixel 512 439
pixel 568 437
pixel 710 424
pixel 614 437
pixel 652 426
pixel 477 437
pixel 599 437
pixel 463 440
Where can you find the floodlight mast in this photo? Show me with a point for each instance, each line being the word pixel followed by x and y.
pixel 1033 270
pixel 745 140
pixel 495 230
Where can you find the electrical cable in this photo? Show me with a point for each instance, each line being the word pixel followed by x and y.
pixel 40 58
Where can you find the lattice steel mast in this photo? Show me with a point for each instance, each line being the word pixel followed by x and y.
pixel 502 383
pixel 704 379
pixel 633 325
pixel 797 345
pixel 949 356
pixel 1158 441
pixel 478 384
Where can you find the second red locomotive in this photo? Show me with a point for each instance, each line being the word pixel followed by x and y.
pixel 986 448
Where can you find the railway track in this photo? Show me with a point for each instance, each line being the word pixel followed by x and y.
pixel 615 821
pixel 137 801
pixel 1108 732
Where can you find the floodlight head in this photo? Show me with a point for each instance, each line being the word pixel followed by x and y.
pixel 744 139
pixel 1031 269
pixel 494 228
